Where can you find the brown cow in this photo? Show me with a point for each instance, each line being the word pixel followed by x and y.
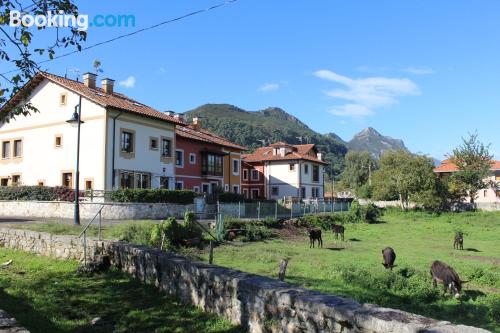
pixel 315 235
pixel 338 229
pixel 458 242
pixel 441 272
pixel 389 257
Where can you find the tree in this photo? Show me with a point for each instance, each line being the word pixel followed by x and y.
pixel 16 47
pixel 408 178
pixel 473 161
pixel 358 170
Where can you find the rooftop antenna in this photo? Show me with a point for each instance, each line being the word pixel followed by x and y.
pixel 76 72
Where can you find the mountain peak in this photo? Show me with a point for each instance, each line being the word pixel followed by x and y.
pixel 370 140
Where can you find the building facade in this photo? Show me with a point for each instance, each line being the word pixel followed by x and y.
pixel 487 195
pixel 206 161
pixel 124 143
pixel 283 170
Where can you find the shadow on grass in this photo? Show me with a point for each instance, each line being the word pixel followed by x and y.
pixel 335 248
pixel 354 240
pixel 470 249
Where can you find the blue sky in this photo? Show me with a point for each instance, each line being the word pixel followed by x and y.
pixel 427 72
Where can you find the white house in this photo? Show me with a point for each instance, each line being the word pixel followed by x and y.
pixel 283 170
pixel 124 143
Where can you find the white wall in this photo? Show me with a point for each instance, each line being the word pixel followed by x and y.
pixel 145 160
pixel 40 159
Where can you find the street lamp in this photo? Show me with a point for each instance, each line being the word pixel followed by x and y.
pixel 76 121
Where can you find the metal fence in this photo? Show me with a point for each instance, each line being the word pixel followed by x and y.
pixel 261 210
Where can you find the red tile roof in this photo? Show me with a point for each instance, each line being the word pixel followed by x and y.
pixel 300 152
pixel 189 132
pixel 448 166
pixel 97 95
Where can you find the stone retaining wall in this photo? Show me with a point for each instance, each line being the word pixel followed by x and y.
pixel 9 324
pixel 259 303
pixel 111 211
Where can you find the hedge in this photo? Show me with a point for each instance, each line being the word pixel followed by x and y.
pixel 37 193
pixel 152 196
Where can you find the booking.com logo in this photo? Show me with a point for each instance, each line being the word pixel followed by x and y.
pixel 81 22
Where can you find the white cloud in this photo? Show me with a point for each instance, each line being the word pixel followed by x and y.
pixel 418 70
pixel 128 82
pixel 269 87
pixel 364 95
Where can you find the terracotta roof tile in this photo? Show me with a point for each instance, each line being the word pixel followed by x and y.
pixel 98 96
pixel 448 166
pixel 266 154
pixel 204 135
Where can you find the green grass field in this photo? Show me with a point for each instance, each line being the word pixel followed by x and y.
pixel 46 295
pixel 354 268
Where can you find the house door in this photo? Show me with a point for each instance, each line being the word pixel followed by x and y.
pixel 67 179
pixel 205 188
pixel 255 193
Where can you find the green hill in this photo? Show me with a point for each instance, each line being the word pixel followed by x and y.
pixel 255 128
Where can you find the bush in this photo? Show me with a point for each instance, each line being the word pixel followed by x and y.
pixel 230 197
pixel 493 301
pixel 364 213
pixel 37 193
pixel 153 196
pixel 251 230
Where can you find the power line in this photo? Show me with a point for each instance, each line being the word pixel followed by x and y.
pixel 199 11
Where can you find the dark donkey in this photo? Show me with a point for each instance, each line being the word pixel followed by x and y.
pixel 338 230
pixel 315 235
pixel 389 257
pixel 458 242
pixel 443 273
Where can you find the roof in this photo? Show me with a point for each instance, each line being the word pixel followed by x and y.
pixel 96 95
pixel 448 166
pixel 300 152
pixel 203 135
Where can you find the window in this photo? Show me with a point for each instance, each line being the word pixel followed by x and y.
pixel 236 189
pixel 292 166
pixel 126 180
pixel 166 148
pixel 485 193
pixel 63 99
pixel 179 185
pixel 255 193
pixel 164 183
pixel 315 192
pixel 315 173
pixel 16 180
pixel 127 142
pixel 6 149
pixel 67 179
pixel 205 188
pixel 192 158
pixel 89 184
pixel 302 192
pixel 142 180
pixel 4 182
pixel 226 188
pixel 196 189
pixel 306 168
pixel 58 141
pixel 179 158
pixel 236 167
pixel 18 148
pixel 255 174
pixel 245 174
pixel 153 143
pixel 275 190
pixel 41 183
pixel 245 193
pixel 211 165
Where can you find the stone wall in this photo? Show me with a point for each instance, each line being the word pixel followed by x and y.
pixel 486 206
pixel 9 324
pixel 111 211
pixel 259 303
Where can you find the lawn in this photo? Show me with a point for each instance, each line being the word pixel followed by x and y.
pixel 353 268
pixel 45 295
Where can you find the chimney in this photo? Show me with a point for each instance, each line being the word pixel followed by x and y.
pixel 179 116
pixel 107 85
pixel 89 80
pixel 197 123
pixel 319 156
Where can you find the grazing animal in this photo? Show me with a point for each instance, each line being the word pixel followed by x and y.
pixel 441 272
pixel 338 230
pixel 389 257
pixel 315 235
pixel 458 243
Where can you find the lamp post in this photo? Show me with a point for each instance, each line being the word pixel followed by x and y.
pixel 75 121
